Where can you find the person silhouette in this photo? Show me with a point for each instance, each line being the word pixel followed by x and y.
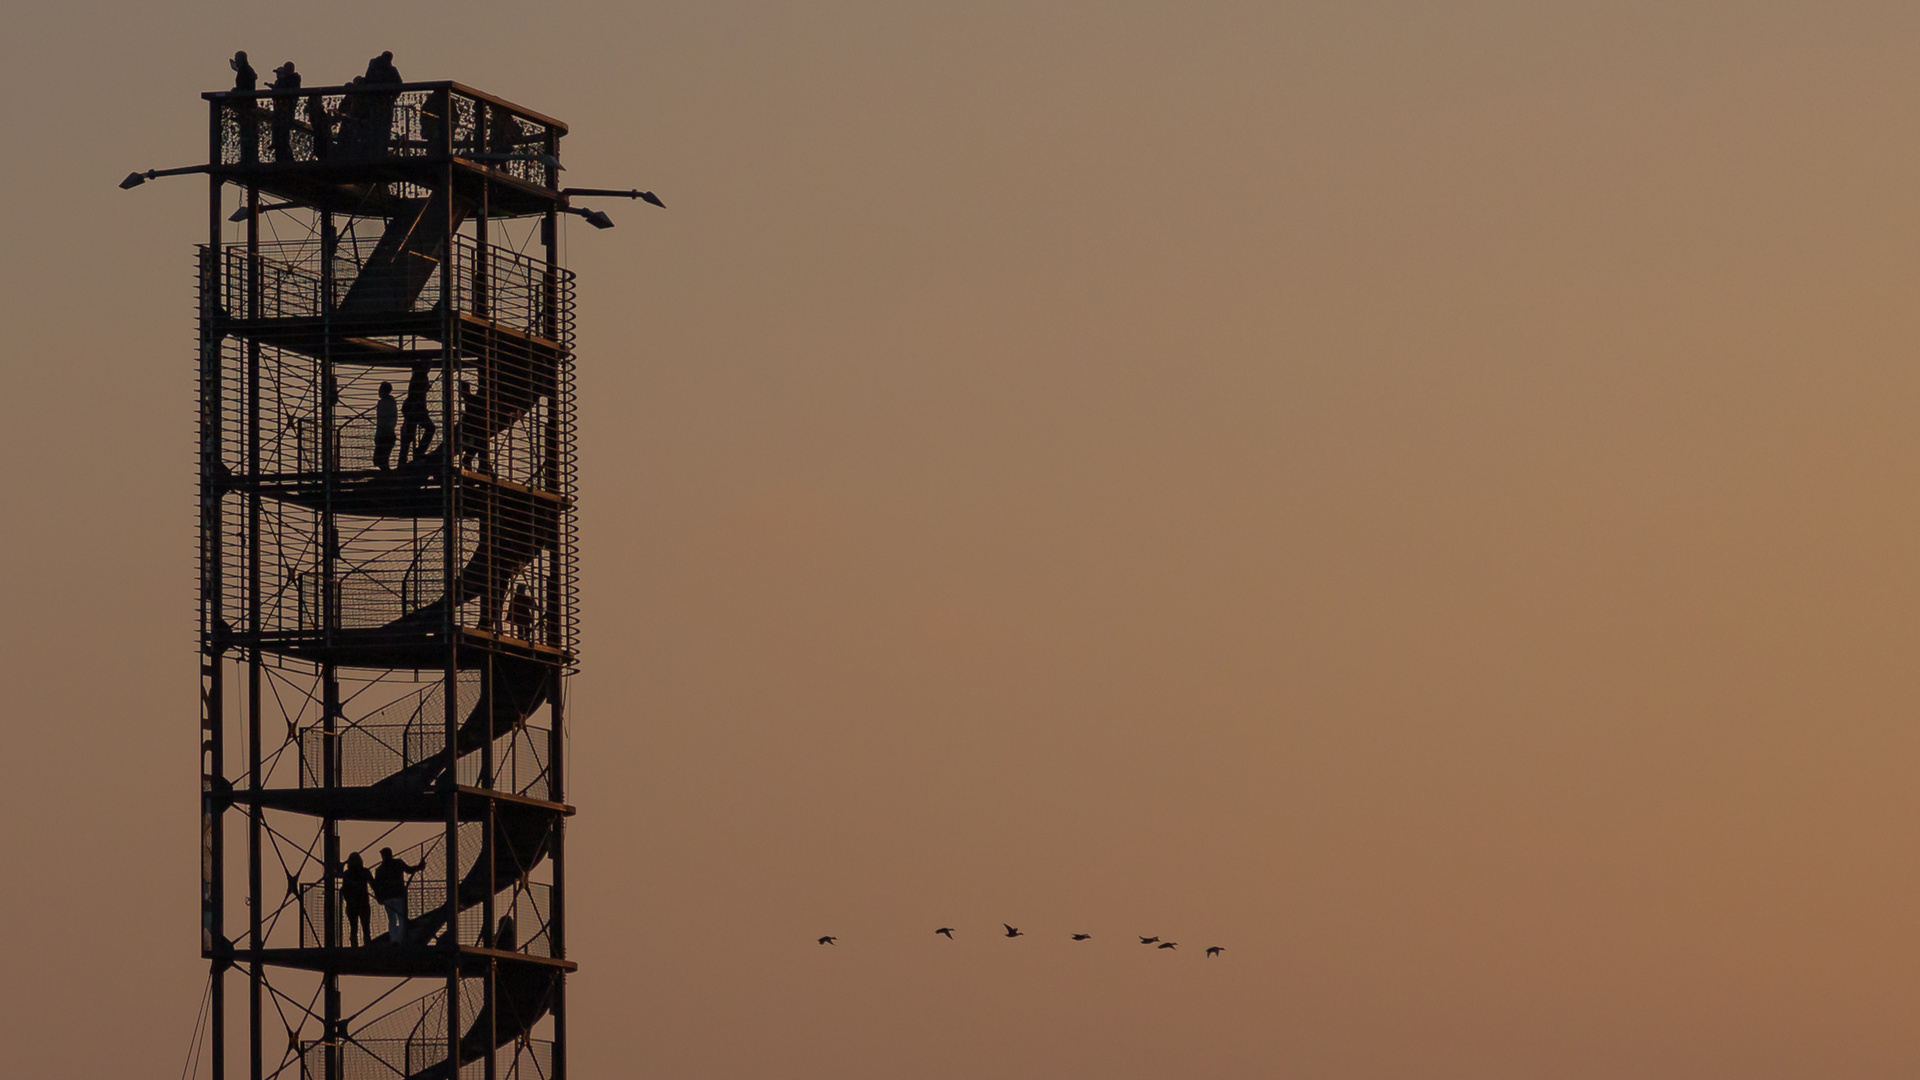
pixel 379 105
pixel 285 79
pixel 473 428
pixel 390 888
pixel 322 125
pixel 380 70
pixel 417 421
pixel 521 612
pixel 386 419
pixel 245 82
pixel 356 881
pixel 351 137
pixel 244 78
pixel 501 938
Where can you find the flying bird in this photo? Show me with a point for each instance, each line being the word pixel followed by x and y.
pixel 828 940
pixel 1148 940
pixel 1012 930
pixel 1081 937
pixel 947 930
pixel 1168 944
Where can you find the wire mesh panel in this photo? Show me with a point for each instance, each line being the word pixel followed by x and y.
pixel 367 754
pixel 523 914
pixel 370 123
pixel 495 283
pixel 390 574
pixel 392 1059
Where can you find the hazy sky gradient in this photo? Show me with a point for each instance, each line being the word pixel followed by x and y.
pixel 1419 494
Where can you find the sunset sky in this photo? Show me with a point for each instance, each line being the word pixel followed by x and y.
pixel 1423 495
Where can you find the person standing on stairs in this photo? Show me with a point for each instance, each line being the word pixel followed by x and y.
pixel 386 422
pixel 473 428
pixel 416 418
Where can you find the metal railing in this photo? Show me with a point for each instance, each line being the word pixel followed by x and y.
pixel 528 904
pixel 509 446
pixel 393 1059
pixel 367 597
pixel 370 123
pixel 497 283
pixel 364 755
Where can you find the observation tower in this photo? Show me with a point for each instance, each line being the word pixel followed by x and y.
pixel 387 587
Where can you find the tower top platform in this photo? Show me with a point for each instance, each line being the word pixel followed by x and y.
pixel 367 148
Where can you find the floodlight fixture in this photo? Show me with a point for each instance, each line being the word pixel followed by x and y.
pixel 242 213
pixel 596 218
pixel 615 193
pixel 135 179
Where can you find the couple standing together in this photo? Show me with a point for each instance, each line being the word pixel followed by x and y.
pixel 417 433
pixel 386 883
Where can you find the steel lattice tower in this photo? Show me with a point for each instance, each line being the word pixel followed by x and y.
pixel 386 627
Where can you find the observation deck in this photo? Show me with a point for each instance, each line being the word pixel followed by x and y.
pixel 364 147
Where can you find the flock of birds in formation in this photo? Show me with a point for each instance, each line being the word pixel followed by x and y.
pixel 1014 931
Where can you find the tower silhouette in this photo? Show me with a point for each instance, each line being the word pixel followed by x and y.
pixel 387 597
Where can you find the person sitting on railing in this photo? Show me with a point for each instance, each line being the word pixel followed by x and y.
pixel 418 420
pixel 245 82
pixel 473 428
pixel 386 418
pixel 390 888
pixel 522 613
pixel 355 882
pixel 285 78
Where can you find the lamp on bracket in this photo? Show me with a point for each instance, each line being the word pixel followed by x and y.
pixel 242 213
pixel 135 179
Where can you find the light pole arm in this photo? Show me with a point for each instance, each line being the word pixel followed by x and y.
pixel 612 193
pixel 135 179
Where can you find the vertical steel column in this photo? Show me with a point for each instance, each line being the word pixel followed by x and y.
pixel 490 617
pixel 256 813
pixel 442 100
pixel 556 736
pixel 212 585
pixel 329 672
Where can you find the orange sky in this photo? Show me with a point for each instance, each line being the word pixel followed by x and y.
pixel 1418 494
